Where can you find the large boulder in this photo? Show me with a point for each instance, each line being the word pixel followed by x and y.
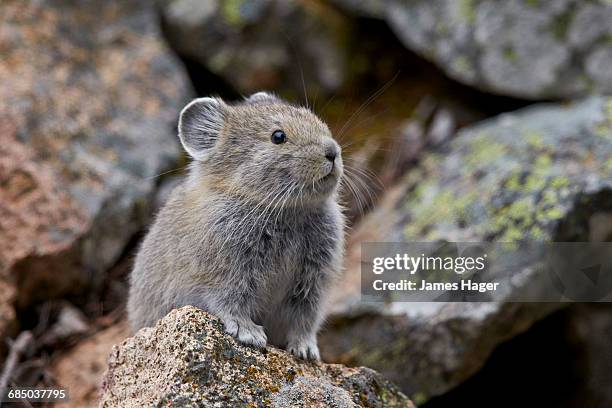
pixel 267 44
pixel 187 360
pixel 523 48
pixel 89 99
pixel 540 174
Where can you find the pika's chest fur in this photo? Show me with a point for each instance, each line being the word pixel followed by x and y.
pixel 271 245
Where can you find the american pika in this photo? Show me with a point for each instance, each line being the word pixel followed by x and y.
pixel 254 235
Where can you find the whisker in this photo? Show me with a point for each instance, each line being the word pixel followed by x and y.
pixel 367 103
pixel 362 186
pixel 329 100
pixel 166 172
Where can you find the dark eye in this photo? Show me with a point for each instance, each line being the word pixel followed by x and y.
pixel 279 137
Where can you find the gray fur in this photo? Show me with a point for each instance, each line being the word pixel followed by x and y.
pixel 254 235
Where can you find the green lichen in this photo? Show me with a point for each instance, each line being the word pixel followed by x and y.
pixel 534 139
pixel 444 207
pixel 608 166
pixel 604 128
pixel 462 65
pixel 483 150
pixel 537 233
pixel 537 204
pixel 534 182
pixel 559 182
pixel 608 110
pixel 467 10
pixel 419 398
pixel 542 164
pixel 231 12
pixel 511 223
pixel 560 25
pixel 509 54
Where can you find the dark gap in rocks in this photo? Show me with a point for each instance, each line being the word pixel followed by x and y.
pixel 206 83
pixel 540 367
pixel 579 225
pixel 381 55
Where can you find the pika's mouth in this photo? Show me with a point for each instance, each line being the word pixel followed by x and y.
pixel 330 174
pixel 330 177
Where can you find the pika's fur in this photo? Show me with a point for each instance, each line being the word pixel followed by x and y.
pixel 254 235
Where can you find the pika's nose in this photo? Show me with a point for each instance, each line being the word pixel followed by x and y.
pixel 330 154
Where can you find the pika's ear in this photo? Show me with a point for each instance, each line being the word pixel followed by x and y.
pixel 262 97
pixel 199 125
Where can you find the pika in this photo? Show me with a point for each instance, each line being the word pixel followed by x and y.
pixel 255 232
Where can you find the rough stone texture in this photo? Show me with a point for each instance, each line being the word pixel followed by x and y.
pixel 81 368
pixel 267 44
pixel 523 48
pixel 88 104
pixel 187 360
pixel 543 174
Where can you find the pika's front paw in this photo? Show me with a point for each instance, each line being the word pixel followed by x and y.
pixel 304 349
pixel 245 331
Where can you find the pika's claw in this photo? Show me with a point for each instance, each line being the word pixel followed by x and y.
pixel 304 349
pixel 246 332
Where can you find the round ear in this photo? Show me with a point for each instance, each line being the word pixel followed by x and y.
pixel 199 125
pixel 262 97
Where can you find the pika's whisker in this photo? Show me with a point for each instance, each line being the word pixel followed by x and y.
pixel 166 172
pixel 365 105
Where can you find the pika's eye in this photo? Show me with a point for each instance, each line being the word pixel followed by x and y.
pixel 279 137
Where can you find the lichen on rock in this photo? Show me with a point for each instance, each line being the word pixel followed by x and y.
pixel 187 360
pixel 490 44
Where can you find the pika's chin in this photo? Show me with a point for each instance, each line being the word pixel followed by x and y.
pixel 326 185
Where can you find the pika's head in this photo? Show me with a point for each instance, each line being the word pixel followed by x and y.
pixel 262 149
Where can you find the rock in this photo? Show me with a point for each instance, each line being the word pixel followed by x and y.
pixel 522 48
pixel 81 368
pixel 187 360
pixel 268 44
pixel 70 322
pixel 543 173
pixel 88 108
pixel 7 311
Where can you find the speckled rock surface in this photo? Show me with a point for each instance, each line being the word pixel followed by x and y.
pixel 266 44
pixel 525 48
pixel 543 174
pixel 88 104
pixel 187 360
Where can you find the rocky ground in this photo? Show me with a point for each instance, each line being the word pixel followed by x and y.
pixel 88 107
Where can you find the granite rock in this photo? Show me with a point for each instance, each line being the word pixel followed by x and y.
pixel 267 44
pixel 522 48
pixel 88 107
pixel 187 360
